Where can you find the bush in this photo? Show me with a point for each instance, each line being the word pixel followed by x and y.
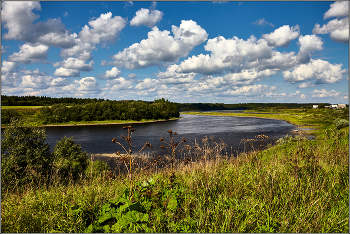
pixel 25 156
pixel 340 123
pixel 69 159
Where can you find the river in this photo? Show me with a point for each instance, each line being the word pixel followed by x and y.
pixel 98 139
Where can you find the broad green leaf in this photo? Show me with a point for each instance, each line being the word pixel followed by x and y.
pixel 172 205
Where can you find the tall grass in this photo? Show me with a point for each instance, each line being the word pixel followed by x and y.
pixel 298 185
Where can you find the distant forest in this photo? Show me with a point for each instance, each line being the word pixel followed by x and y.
pixel 49 101
pixel 73 109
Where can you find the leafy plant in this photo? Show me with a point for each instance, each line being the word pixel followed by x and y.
pixel 125 215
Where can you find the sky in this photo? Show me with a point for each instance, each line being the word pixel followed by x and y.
pixel 186 52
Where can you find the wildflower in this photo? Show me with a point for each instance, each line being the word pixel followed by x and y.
pixel 114 140
pixel 161 139
pixel 170 131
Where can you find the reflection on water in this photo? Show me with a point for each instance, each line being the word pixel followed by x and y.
pixel 98 139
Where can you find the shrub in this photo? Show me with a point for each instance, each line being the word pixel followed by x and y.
pixel 69 159
pixel 25 156
pixel 340 123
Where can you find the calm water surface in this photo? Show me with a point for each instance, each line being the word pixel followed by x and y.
pixel 97 139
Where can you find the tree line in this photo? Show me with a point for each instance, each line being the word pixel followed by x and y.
pixel 241 106
pixel 69 101
pixel 98 111
pixel 45 101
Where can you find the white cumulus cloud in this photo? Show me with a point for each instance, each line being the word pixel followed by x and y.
pixel 282 36
pixel 160 47
pixel 338 30
pixel 323 71
pixel 338 9
pixel 30 54
pixel 103 29
pixel 110 74
pixel 146 17
pixel 66 72
pixel 76 64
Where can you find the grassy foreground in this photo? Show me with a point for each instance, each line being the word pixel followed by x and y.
pixel 296 186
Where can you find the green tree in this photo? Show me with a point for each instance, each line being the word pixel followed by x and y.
pixel 69 159
pixel 321 106
pixel 25 156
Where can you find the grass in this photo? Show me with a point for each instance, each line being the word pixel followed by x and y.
pixel 298 185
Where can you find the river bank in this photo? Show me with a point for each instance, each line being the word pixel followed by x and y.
pixel 97 123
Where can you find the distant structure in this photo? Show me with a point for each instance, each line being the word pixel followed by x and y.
pixel 315 106
pixel 342 106
pixel 334 106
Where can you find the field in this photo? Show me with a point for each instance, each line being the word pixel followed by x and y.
pixel 298 185
pixel 20 107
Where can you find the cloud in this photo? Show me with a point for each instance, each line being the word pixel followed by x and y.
pixel 170 76
pixel 8 66
pixel 160 47
pixel 103 29
pixel 148 84
pixel 263 22
pixel 30 54
pixel 248 76
pixel 308 44
pixel 306 85
pixel 76 64
pixel 338 9
pixel 88 84
pixel 36 81
pixel 18 17
pixel 58 82
pixel 253 90
pixel 325 94
pixel 128 4
pixel 9 74
pixel 66 72
pixel 34 72
pixel 338 30
pixel 3 49
pixel 132 76
pixel 118 84
pixel 82 51
pixel 147 17
pixel 282 36
pixel 65 14
pixel 323 71
pixel 109 74
pixel 227 55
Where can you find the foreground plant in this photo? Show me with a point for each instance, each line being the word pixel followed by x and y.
pixel 171 149
pixel 129 152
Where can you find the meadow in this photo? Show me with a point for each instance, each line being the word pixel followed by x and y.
pixel 296 185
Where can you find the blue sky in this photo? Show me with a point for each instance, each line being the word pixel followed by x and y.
pixel 209 52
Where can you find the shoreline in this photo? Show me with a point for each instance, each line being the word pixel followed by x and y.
pixel 96 124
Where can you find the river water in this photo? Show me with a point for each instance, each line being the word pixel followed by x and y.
pixel 98 139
